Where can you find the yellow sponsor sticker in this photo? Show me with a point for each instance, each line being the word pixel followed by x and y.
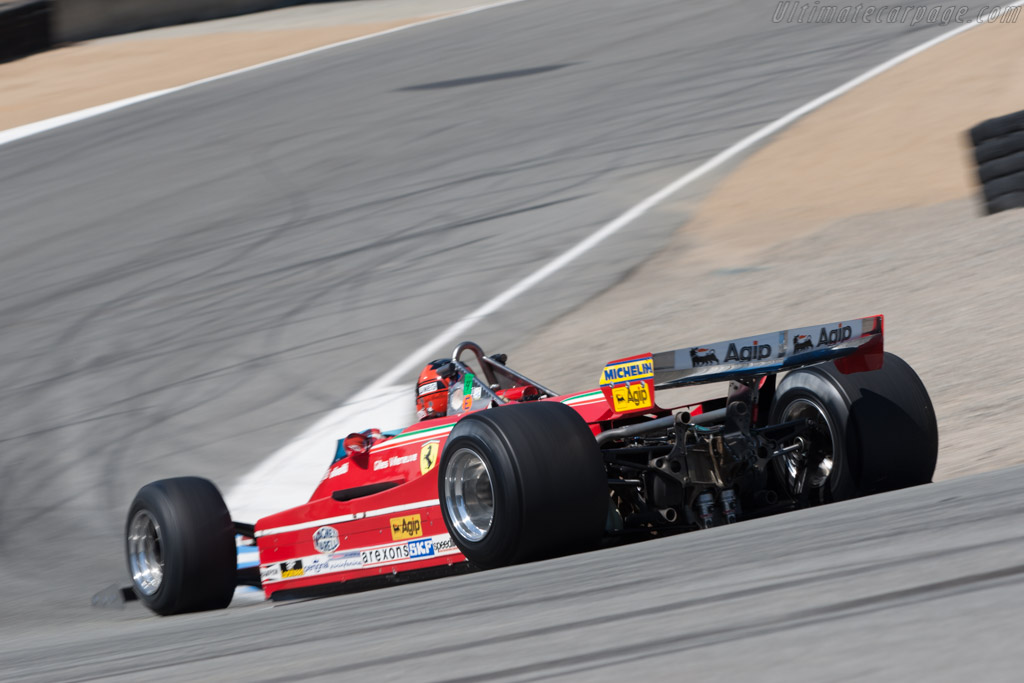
pixel 631 396
pixel 628 371
pixel 428 456
pixel 406 527
pixel 292 569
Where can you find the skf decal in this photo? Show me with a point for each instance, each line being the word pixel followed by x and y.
pixel 802 342
pixel 406 527
pixel 422 548
pixel 291 569
pixel 746 353
pixel 628 371
pixel 699 357
pixel 831 337
pixel 428 456
pixel 631 396
pixel 325 539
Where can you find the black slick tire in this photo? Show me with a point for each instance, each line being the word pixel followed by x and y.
pixel 192 544
pixel 547 479
pixel 883 423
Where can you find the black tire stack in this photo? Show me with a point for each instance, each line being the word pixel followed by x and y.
pixel 24 28
pixel 999 151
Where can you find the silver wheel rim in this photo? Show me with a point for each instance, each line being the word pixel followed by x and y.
pixel 145 552
pixel 469 496
pixel 824 441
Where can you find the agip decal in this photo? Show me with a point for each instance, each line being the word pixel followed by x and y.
pixel 631 396
pixel 406 527
pixel 753 351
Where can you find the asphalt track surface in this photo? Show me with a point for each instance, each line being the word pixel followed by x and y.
pixel 923 584
pixel 189 282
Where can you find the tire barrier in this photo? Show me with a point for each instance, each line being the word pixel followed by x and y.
pixel 24 28
pixel 999 153
pixel 76 20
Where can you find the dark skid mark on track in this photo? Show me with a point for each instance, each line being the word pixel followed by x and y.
pixel 485 78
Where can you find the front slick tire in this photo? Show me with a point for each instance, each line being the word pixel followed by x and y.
pixel 522 482
pixel 873 431
pixel 180 547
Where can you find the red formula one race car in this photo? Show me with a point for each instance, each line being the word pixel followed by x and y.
pixel 502 470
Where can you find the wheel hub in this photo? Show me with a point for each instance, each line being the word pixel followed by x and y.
pixel 812 464
pixel 145 552
pixel 469 496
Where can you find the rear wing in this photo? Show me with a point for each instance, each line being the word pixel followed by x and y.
pixel 854 345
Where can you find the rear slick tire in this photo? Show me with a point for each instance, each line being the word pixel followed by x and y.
pixel 522 482
pixel 180 547
pixel 874 431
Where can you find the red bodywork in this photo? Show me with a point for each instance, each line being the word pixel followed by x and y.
pixel 327 541
pixel 376 512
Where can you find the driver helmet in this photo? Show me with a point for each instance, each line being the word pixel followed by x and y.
pixel 432 391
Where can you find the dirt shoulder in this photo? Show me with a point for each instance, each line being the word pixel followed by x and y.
pixel 897 141
pixel 864 207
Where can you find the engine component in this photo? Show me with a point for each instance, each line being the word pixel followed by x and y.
pixel 730 506
pixel 706 510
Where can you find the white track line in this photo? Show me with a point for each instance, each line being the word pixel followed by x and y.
pixel 30 129
pixel 261 490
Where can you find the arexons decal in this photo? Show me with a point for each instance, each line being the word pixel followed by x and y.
pixel 325 539
pixel 390 553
